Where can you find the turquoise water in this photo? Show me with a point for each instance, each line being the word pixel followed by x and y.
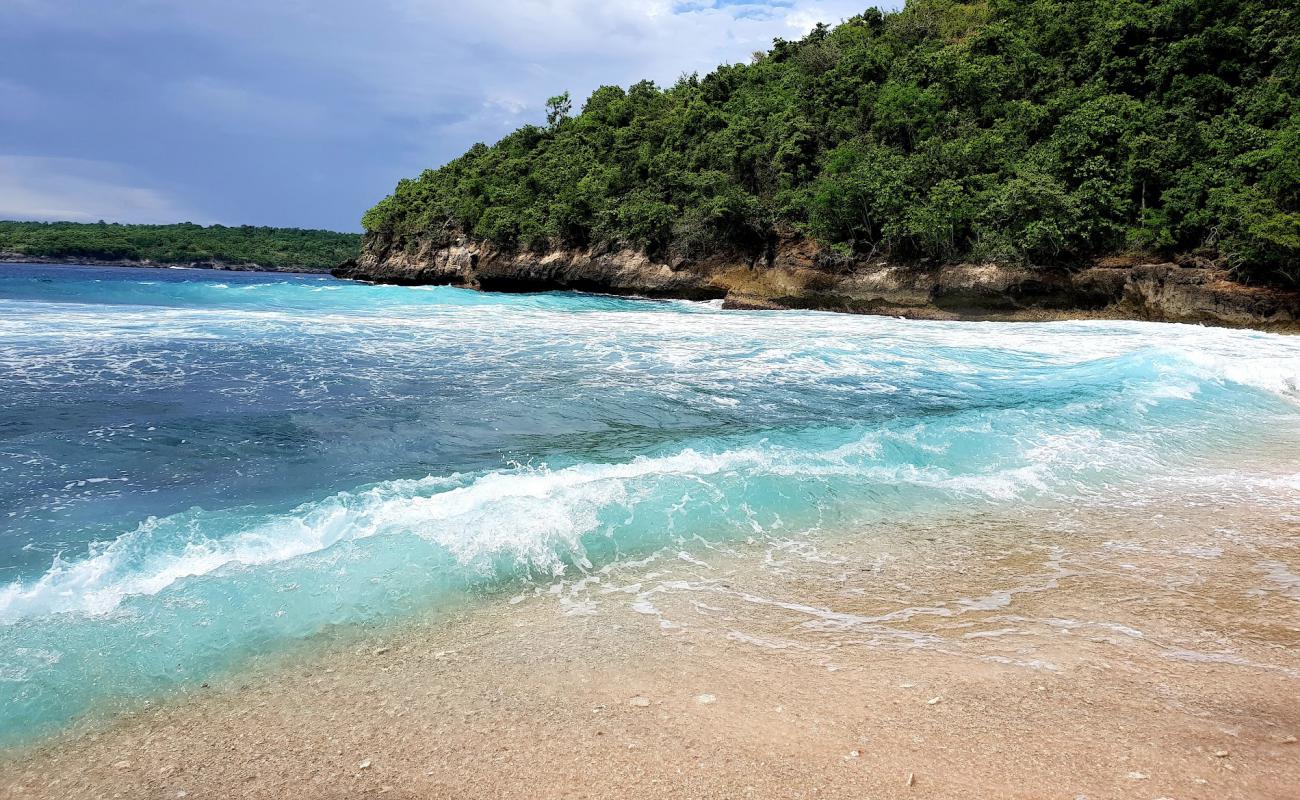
pixel 197 466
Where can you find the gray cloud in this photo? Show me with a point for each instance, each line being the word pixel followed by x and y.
pixel 306 112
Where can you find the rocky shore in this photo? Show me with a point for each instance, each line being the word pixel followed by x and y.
pixel 795 273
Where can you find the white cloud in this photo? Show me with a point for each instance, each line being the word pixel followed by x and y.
pixel 78 190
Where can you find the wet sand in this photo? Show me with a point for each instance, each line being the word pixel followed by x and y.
pixel 1148 650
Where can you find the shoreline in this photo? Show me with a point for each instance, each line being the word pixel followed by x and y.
pixel 735 302
pixel 795 275
pixel 1096 652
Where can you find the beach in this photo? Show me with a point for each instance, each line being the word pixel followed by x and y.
pixel 1141 651
pixel 695 400
pixel 275 535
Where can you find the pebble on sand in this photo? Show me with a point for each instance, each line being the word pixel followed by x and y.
pixel 639 701
pixel 706 699
pixel 364 764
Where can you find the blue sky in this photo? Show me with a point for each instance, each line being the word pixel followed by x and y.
pixel 306 112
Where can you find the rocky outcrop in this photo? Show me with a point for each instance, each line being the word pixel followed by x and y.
pixel 477 265
pixel 1190 294
pixel 794 273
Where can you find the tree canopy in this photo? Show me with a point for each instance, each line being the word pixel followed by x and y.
pixel 274 248
pixel 1037 131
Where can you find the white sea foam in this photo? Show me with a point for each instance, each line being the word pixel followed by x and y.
pixel 534 516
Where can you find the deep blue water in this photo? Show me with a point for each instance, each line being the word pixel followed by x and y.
pixel 195 466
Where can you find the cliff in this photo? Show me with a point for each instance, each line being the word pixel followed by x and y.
pixel 794 273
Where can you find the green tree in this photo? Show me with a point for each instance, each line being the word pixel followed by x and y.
pixel 558 108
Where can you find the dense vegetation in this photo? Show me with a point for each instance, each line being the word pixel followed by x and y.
pixel 1041 131
pixel 273 248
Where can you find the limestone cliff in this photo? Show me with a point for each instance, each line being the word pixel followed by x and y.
pixel 794 273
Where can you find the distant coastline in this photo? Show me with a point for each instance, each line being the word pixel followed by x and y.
pixel 73 261
pixel 222 247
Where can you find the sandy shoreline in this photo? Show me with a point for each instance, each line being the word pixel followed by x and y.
pixel 1139 652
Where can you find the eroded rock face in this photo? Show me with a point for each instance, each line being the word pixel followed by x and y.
pixel 1180 294
pixel 794 273
pixel 479 265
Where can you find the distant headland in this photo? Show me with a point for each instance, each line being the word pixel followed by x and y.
pixel 244 247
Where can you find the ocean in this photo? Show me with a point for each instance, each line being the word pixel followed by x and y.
pixel 198 467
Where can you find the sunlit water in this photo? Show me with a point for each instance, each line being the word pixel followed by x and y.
pixel 197 466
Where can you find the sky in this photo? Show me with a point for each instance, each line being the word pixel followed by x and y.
pixel 306 112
